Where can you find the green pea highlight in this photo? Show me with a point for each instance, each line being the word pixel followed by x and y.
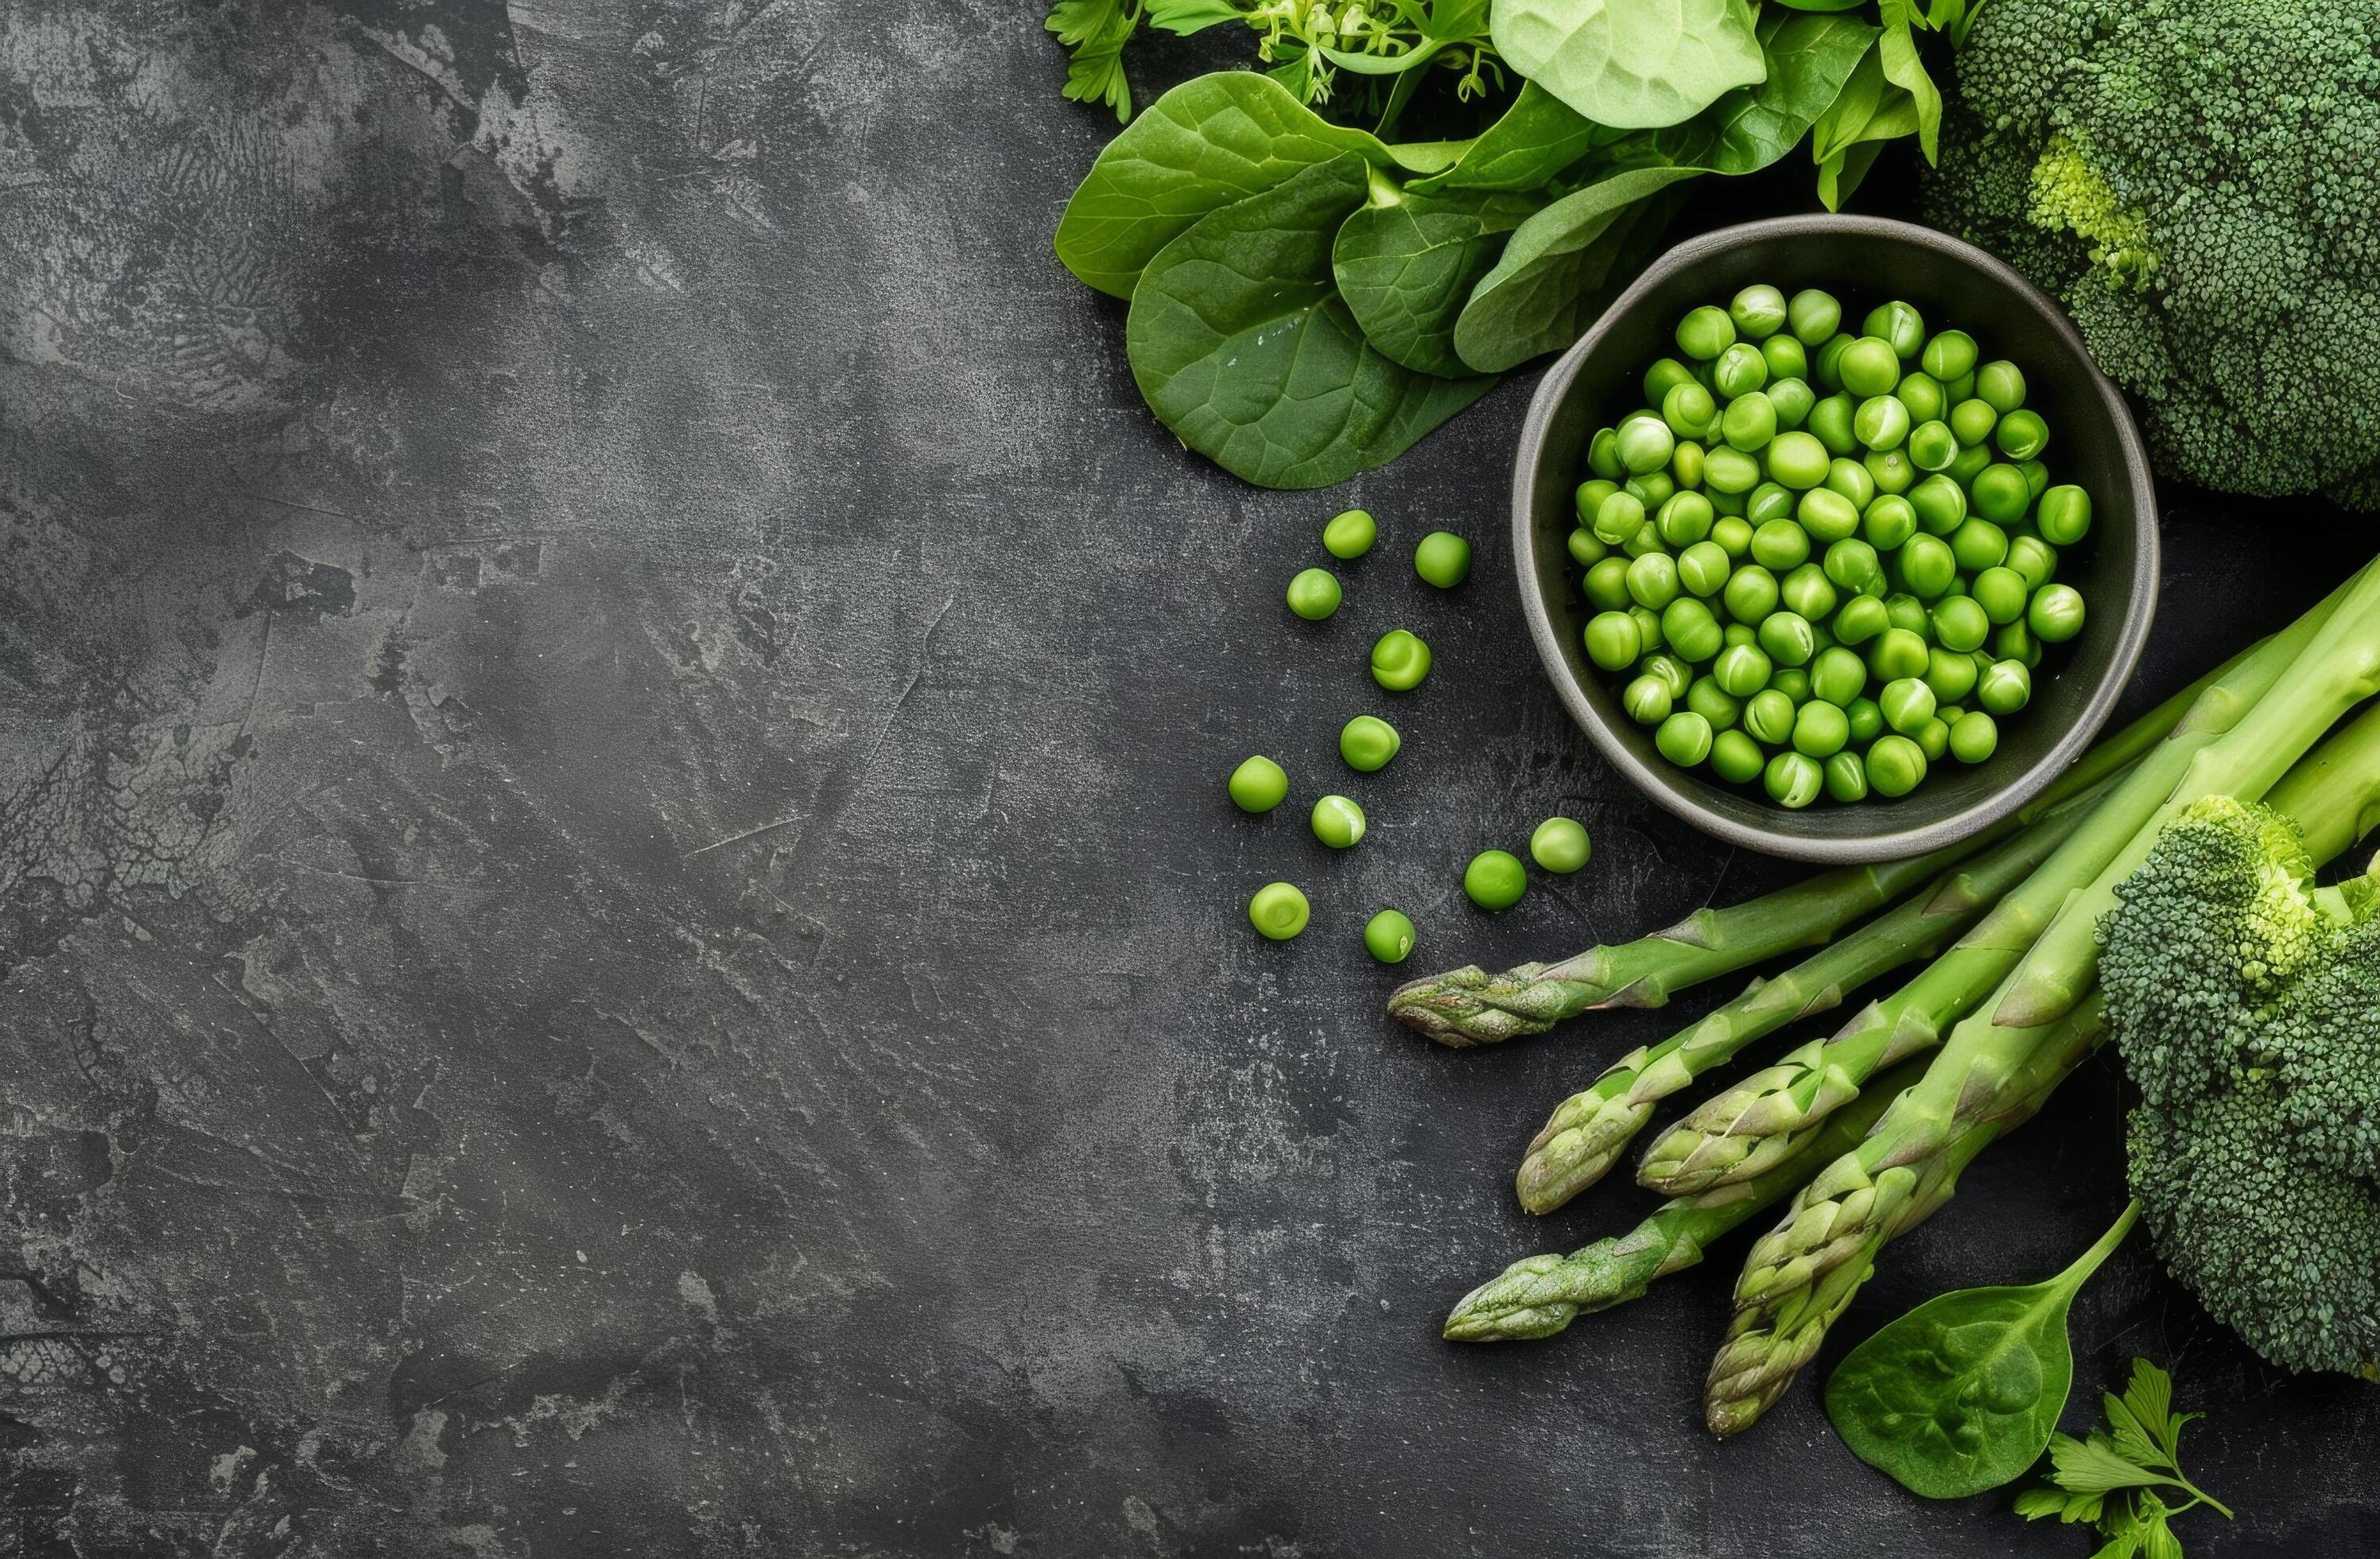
pixel 1442 558
pixel 1259 785
pixel 1352 533
pixel 1338 822
pixel 1368 742
pixel 1388 937
pixel 1314 593
pixel 1495 880
pixel 1278 910
pixel 1400 660
pixel 1559 845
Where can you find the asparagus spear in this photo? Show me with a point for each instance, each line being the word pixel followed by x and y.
pixel 1469 1006
pixel 1588 1130
pixel 1752 1124
pixel 1540 1294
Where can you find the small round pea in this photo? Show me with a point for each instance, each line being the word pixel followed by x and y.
pixel 1950 672
pixel 1851 479
pixel 1847 777
pixel 1890 470
pixel 1651 489
pixel 1368 742
pixel 1585 549
pixel 1735 756
pixel 2005 688
pixel 1685 738
pixel 1950 354
pixel 1647 701
pixel 1648 628
pixel 1338 822
pixel 1792 399
pixel 1922 394
pixel 1971 421
pixel 1685 518
pixel 1618 518
pixel 1788 638
pixel 1837 675
pixel 1830 423
pixel 1907 703
pixel 1603 454
pixel 1890 520
pixel 1895 766
pixel 1687 463
pixel 1793 682
pixel 1933 738
pixel 1808 591
pixel 1881 422
pixel 1653 580
pixel 2064 518
pixel 1643 444
pixel 1861 619
pixel 1749 422
pixel 2033 559
pixel 2001 593
pixel 1279 910
pixel 1798 460
pixel 1974 736
pixel 1259 785
pixel 1769 715
pixel 1850 563
pixel 1907 612
pixel 1741 670
pixel 1689 409
pixel 1442 558
pixel 1718 709
pixel 1705 332
pixel 1867 720
pixel 1561 844
pixel 1739 370
pixel 1400 660
pixel 1961 624
pixel 1813 315
pixel 1826 368
pixel 2001 385
pixel 1794 779
pixel 1825 515
pixel 1870 366
pixel 2022 435
pixel 1769 501
pixel 1495 880
pixel 1314 593
pixel 1969 465
pixel 1927 568
pixel 1729 470
pixel 2016 642
pixel 1820 729
pixel 1787 358
pixel 1979 544
pixel 1648 535
pixel 1759 312
pixel 1388 937
pixel 1931 447
pixel 2056 614
pixel 1666 374
pixel 1732 532
pixel 1898 322
pixel 1898 653
pixel 1940 504
pixel 1586 500
pixel 2000 493
pixel 1750 594
pixel 1704 568
pixel 1607 585
pixel 1671 671
pixel 1689 628
pixel 1350 534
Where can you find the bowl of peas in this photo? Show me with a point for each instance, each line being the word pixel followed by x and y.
pixel 1833 537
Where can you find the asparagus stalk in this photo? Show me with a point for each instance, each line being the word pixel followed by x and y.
pixel 1540 1294
pixel 1469 1006
pixel 1587 1131
pixel 1751 1124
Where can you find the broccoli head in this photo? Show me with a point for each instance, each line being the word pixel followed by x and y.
pixel 2246 1004
pixel 2193 180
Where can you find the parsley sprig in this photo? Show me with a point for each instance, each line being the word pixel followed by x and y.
pixel 2113 1478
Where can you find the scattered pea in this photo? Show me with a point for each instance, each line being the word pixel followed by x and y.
pixel 1368 742
pixel 1400 660
pixel 1352 533
pixel 1561 843
pixel 1442 558
pixel 1388 937
pixel 1495 880
pixel 1279 910
pixel 1314 593
pixel 1259 785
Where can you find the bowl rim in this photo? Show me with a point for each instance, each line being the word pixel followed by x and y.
pixel 1891 844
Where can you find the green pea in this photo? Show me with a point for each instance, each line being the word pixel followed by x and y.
pixel 1931 447
pixel 1749 422
pixel 1870 366
pixel 1847 777
pixel 1825 516
pixel 2022 435
pixel 1798 460
pixel 1666 374
pixel 1769 715
pixel 1926 566
pixel 1940 503
pixel 1787 359
pixel 1850 564
pixel 1719 709
pixel 1671 671
pixel 2001 593
pixel 1704 568
pixel 1820 730
pixel 1950 354
pixel 1653 580
pixel 1974 736
pixel 1830 423
pixel 1881 422
pixel 1690 629
pixel 1769 501
pixel 2016 642
pixel 1907 612
pixel 1933 739
pixel 2065 515
pixel 1972 421
pixel 1278 910
pixel 1952 674
pixel 1794 779
pixel 1788 638
pixel 1759 312
pixel 1688 408
pixel 1851 479
pixel 1922 394
pixel 2035 559
pixel 2037 478
pixel 1607 585
pixel 1652 488
pixel 1400 660
pixel 2001 385
pixel 1808 591
pixel 1837 675
pixel 1685 738
pixel 1899 323
pixel 1618 518
pixel 1739 370
pixel 1338 822
pixel 1586 549
pixel 1368 742
pixel 1259 785
pixel 1793 682
pixel 1969 465
pixel 2005 688
pixel 1813 315
pixel 1961 624
pixel 1561 844
pixel 1951 714
pixel 1705 332
pixel 1827 366
pixel 1724 504
pixel 2056 614
pixel 1388 937
pixel 1895 766
pixel 1862 618
pixel 1739 633
pixel 1907 703
pixel 1792 399
pixel 1603 454
pixel 1643 444
pixel 1648 628
pixel 1352 533
pixel 1495 879
pixel 1898 653
pixel 1741 670
pixel 1589 498
pixel 2000 493
pixel 1684 520
pixel 1314 593
pixel 1686 463
pixel 1749 593
pixel 1867 720
pixel 1735 756
pixel 1442 558
pixel 1979 544
pixel 1890 470
pixel 1733 533
pixel 1729 470
pixel 1890 520
pixel 1780 544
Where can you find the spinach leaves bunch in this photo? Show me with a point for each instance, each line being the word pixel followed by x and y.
pixel 1309 297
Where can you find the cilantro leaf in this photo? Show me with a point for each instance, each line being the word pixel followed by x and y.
pixel 1094 33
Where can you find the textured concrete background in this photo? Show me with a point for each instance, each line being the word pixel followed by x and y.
pixel 619 930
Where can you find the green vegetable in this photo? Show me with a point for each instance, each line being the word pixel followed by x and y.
pixel 1495 880
pixel 1388 937
pixel 1963 1394
pixel 1368 742
pixel 1350 535
pixel 1338 822
pixel 2111 1479
pixel 1094 33
pixel 1278 910
pixel 2183 177
pixel 1314 593
pixel 1559 845
pixel 1400 660
pixel 1632 66
pixel 1442 559
pixel 1259 785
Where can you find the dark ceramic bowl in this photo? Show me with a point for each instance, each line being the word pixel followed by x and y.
pixel 1863 261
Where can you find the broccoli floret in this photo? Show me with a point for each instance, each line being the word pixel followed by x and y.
pixel 2246 1004
pixel 2194 179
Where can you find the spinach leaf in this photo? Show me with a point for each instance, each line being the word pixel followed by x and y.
pixel 1544 289
pixel 1428 158
pixel 1627 64
pixel 1826 5
pixel 1243 347
pixel 1809 57
pixel 1897 50
pixel 1533 140
pixel 1963 1394
pixel 1207 143
pixel 1406 268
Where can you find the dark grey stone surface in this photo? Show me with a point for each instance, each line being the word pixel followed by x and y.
pixel 620 933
